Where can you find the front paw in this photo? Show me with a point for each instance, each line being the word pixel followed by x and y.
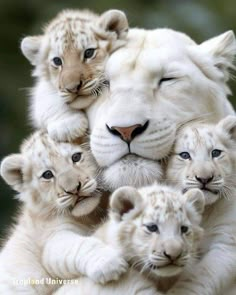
pixel 108 266
pixel 66 132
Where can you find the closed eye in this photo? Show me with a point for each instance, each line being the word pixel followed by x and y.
pixel 166 79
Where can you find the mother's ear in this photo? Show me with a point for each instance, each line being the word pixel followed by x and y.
pixel 113 25
pixel 126 203
pixel 11 171
pixel 222 48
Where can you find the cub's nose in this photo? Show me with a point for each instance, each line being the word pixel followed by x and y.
pixel 204 181
pixel 73 88
pixel 128 133
pixel 173 255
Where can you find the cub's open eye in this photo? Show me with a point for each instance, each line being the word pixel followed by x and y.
pixel 47 174
pixel 89 53
pixel 216 153
pixel 153 228
pixel 57 61
pixel 185 155
pixel 166 79
pixel 184 229
pixel 76 157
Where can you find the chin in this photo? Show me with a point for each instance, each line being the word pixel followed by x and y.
pixel 167 271
pixel 86 206
pixel 210 198
pixel 131 170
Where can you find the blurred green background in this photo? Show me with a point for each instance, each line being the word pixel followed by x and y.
pixel 18 18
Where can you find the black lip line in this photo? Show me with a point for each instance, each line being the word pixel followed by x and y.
pixel 202 189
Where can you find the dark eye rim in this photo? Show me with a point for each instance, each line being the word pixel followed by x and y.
pixel 218 151
pixel 89 50
pixel 165 79
pixel 45 176
pixel 57 61
pixel 74 160
pixel 185 153
pixel 152 227
pixel 184 229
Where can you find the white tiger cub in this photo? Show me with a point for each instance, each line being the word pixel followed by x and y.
pixel 57 185
pixel 204 157
pixel 69 60
pixel 157 230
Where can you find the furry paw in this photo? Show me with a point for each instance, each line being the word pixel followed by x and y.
pixel 66 131
pixel 108 266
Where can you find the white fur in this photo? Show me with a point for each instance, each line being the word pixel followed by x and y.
pixel 215 272
pixel 51 238
pixel 131 209
pixel 137 95
pixel 62 92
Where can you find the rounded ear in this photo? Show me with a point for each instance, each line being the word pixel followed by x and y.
pixel 11 171
pixel 195 204
pixel 126 203
pixel 30 48
pixel 113 25
pixel 223 49
pixel 228 126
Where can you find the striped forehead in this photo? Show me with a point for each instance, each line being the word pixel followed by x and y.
pixel 44 151
pixel 71 34
pixel 196 138
pixel 163 206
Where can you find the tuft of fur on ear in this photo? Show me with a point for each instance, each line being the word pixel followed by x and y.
pixel 11 171
pixel 113 25
pixel 223 49
pixel 195 204
pixel 126 203
pixel 30 47
pixel 227 126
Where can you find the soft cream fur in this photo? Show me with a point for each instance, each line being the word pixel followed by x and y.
pixel 61 90
pixel 51 237
pixel 132 211
pixel 140 93
pixel 214 274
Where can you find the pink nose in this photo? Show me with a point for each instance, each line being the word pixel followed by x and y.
pixel 128 133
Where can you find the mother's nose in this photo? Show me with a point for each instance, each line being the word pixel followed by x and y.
pixel 128 133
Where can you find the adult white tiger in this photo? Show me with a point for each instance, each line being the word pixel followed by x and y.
pixel 159 80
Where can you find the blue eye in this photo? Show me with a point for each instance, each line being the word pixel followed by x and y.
pixel 76 157
pixel 216 153
pixel 89 53
pixel 185 155
pixel 57 61
pixel 47 174
pixel 152 228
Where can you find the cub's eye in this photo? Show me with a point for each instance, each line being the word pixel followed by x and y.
pixel 185 155
pixel 47 174
pixel 57 61
pixel 76 157
pixel 152 228
pixel 165 80
pixel 216 153
pixel 184 229
pixel 89 53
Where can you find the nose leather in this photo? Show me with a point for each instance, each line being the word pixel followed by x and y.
pixel 128 133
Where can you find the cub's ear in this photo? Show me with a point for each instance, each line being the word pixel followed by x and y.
pixel 113 25
pixel 126 202
pixel 11 171
pixel 227 126
pixel 30 48
pixel 223 49
pixel 195 204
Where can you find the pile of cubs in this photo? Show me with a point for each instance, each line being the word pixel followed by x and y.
pixel 127 185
